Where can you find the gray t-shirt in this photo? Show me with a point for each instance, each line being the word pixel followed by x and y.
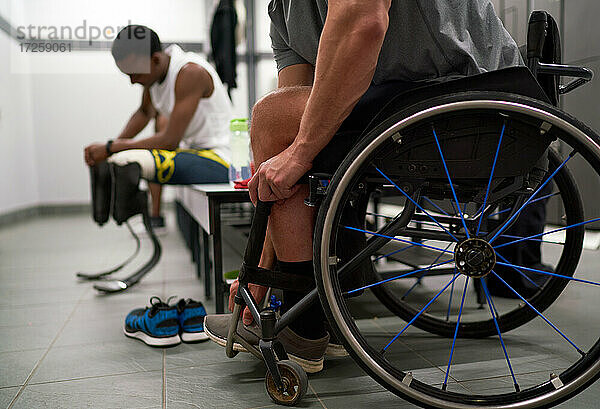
pixel 425 39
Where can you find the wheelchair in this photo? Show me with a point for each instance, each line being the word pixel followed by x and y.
pixel 435 187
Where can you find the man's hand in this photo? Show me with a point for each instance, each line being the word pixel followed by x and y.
pixel 275 179
pixel 95 153
pixel 258 292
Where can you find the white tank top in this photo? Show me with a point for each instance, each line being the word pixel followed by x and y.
pixel 209 127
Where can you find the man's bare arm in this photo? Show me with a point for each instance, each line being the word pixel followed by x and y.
pixel 350 43
pixel 296 75
pixel 193 83
pixel 140 118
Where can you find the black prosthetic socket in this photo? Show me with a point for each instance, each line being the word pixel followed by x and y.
pixel 311 323
pixel 101 186
pixel 128 199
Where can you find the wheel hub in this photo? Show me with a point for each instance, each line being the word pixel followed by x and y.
pixel 475 258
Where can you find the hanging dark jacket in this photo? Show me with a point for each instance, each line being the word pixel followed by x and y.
pixel 222 40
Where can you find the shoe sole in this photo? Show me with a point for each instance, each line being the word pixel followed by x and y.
pixel 335 351
pixel 309 365
pixel 193 337
pixel 154 342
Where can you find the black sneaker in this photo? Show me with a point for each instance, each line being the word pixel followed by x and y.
pixel 157 325
pixel 191 320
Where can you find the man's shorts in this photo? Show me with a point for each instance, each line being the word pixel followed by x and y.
pixel 355 125
pixel 178 167
pixel 188 166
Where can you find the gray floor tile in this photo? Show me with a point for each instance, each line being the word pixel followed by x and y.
pixel 27 337
pixel 201 354
pixel 34 315
pixel 232 384
pixel 16 366
pixel 7 395
pixel 382 399
pixel 100 359
pixel 140 390
pixel 37 294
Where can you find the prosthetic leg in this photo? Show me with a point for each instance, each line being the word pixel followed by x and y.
pixel 115 190
pixel 101 185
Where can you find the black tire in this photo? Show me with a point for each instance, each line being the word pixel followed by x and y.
pixel 424 392
pixel 295 383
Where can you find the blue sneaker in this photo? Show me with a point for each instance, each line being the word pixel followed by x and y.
pixel 157 325
pixel 191 320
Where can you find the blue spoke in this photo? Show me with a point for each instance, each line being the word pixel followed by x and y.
pixel 480 210
pixel 533 201
pixel 462 302
pixel 423 274
pixel 518 271
pixel 415 203
pixel 539 313
pixel 398 277
pixel 487 192
pixel 421 312
pixel 453 207
pixel 394 252
pixel 547 273
pixel 507 223
pixel 434 205
pixel 397 239
pixel 548 232
pixel 450 181
pixel 492 309
pixel 450 300
pixel 500 212
pixel 510 236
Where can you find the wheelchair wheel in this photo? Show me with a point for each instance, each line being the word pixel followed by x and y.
pixel 491 156
pixel 295 382
pixel 541 291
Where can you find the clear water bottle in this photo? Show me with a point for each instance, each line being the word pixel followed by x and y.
pixel 239 168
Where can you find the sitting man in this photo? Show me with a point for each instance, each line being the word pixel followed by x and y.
pixel 339 62
pixel 182 87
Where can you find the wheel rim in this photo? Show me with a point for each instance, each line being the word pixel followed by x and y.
pixel 579 374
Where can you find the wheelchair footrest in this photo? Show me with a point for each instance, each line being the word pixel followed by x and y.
pixel 280 280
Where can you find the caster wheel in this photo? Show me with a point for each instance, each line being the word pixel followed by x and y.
pixel 295 383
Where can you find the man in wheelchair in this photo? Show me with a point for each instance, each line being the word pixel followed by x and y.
pixel 340 62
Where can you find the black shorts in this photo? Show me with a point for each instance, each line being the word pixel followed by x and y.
pixel 356 124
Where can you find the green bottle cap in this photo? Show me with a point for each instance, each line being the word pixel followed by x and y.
pixel 238 125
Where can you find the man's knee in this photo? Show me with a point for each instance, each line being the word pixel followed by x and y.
pixel 276 117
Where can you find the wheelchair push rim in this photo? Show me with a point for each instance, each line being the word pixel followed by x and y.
pixel 560 386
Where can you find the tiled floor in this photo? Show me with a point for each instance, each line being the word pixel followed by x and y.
pixel 62 345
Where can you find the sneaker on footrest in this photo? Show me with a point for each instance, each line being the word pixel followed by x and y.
pixel 307 353
pixel 217 326
pixel 191 321
pixel 157 325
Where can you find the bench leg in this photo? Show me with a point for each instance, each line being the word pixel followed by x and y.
pixel 206 263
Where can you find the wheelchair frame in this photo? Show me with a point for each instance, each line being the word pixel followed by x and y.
pixel 271 351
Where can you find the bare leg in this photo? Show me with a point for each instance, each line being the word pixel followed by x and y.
pixel 156 193
pixel 275 122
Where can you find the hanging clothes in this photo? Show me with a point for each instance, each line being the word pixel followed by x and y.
pixel 222 40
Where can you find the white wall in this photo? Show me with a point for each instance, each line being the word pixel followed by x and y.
pixel 54 104
pixel 70 111
pixel 18 170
